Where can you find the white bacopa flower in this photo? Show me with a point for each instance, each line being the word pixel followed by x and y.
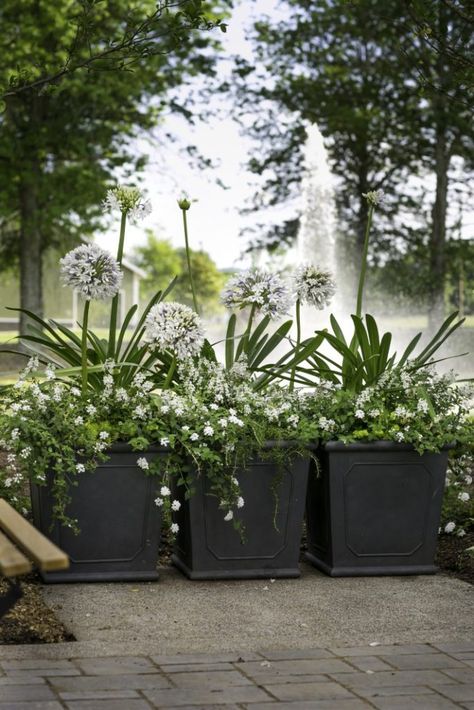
pixel 143 463
pixel 313 286
pixel 266 291
pixel 164 441
pixel 461 532
pixel 185 427
pixel 399 436
pixel 159 502
pixel 194 436
pixel 49 373
pixel 468 479
pixel 359 414
pixel 228 516
pixel 464 497
pixel 175 327
pixel 128 200
pixel 165 491
pixel 422 406
pixel 78 421
pixel 208 430
pixel 91 271
pixel 240 502
pixel 449 527
pixel 175 505
pixel 104 435
pixel 80 468
pixel 174 528
pixel 374 197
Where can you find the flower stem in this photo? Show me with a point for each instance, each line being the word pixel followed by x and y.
pixel 248 330
pixel 363 268
pixel 188 259
pixel 115 300
pixel 297 346
pixel 85 325
pixel 170 374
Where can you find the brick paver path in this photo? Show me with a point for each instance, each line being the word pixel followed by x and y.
pixel 396 677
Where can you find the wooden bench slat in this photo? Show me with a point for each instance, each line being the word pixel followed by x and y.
pixel 12 561
pixel 34 544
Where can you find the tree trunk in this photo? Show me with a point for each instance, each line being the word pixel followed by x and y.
pixel 31 253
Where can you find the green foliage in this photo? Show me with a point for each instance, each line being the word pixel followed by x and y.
pixel 457 516
pixel 162 262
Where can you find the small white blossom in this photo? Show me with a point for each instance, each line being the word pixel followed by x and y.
pixel 399 436
pixel 80 468
pixel 159 502
pixel 374 197
pixel 359 414
pixel 140 412
pixel 468 479
pixel 174 327
pixel 214 406
pixel 143 463
pixel 240 502
pixel 92 272
pixel 129 200
pixel 26 452
pixel 164 441
pixel 464 497
pixel 14 434
pixel 50 373
pixel 91 410
pixel 175 505
pixel 422 406
pixel 104 435
pixel 78 421
pixel 194 436
pixel 449 527
pixel 228 516
pixel 208 430
pixel 75 391
pixel 165 491
pixel 174 528
pixel 374 413
pixel 185 427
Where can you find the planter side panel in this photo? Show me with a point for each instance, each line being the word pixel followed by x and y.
pixel 118 520
pixel 208 547
pixel 383 509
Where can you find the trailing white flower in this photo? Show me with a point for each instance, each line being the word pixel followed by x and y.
pixel 313 286
pixel 91 271
pixel 143 463
pixel 228 516
pixel 128 200
pixel 256 287
pixel 175 327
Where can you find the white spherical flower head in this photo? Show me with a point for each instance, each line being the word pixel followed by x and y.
pixel 129 201
pixel 314 287
pixel 267 292
pixel 374 197
pixel 174 327
pixel 92 272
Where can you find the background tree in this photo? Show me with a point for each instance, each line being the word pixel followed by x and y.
pixel 353 69
pixel 162 262
pixel 73 107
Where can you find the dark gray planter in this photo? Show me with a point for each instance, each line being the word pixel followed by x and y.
pixel 119 522
pixel 374 509
pixel 208 547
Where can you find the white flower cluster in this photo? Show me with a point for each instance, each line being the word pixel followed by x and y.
pixel 374 197
pixel 313 286
pixel 176 328
pixel 266 291
pixel 92 272
pixel 128 200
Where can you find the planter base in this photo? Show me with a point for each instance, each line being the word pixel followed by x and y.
pixel 369 571
pixel 64 578
pixel 261 573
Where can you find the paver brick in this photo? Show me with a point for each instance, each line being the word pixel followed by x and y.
pixel 455 647
pixel 32 705
pixel 191 667
pixel 177 697
pixel 296 667
pixel 284 678
pixel 211 679
pixel 414 702
pixel 309 691
pixel 342 704
pixel 187 658
pixel 295 653
pixel 35 664
pixel 99 695
pixel 25 693
pixel 383 691
pixel 24 680
pixel 382 650
pixel 51 672
pixel 146 681
pixel 116 665
pixel 459 693
pixel 421 661
pixel 370 663
pixel 392 678
pixel 138 704
pixel 462 675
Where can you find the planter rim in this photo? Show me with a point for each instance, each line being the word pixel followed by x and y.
pixel 287 444
pixel 379 445
pixel 119 447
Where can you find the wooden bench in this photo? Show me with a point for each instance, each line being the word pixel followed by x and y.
pixel 21 546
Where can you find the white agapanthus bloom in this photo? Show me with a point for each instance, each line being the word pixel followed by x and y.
pixel 374 197
pixel 175 327
pixel 91 271
pixel 314 286
pixel 256 287
pixel 128 200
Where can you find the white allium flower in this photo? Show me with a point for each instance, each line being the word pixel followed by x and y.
pixel 175 505
pixel 174 528
pixel 313 286
pixel 464 497
pixel 164 441
pixel 129 200
pixel 228 516
pixel 449 527
pixel 268 292
pixel 159 502
pixel 80 468
pixel 92 272
pixel 240 502
pixel 165 491
pixel 374 197
pixel 143 463
pixel 174 327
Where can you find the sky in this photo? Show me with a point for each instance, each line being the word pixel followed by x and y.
pixel 214 220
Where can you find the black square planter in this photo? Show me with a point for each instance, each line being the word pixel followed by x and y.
pixel 119 523
pixel 208 547
pixel 374 509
